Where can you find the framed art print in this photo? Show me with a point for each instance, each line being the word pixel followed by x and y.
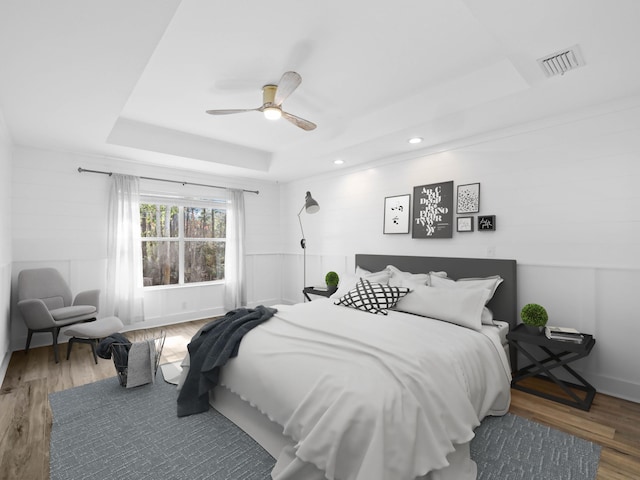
pixel 396 214
pixel 486 222
pixel 468 198
pixel 465 224
pixel 433 211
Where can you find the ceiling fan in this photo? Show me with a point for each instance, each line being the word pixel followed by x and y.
pixel 272 98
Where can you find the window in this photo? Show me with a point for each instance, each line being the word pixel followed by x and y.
pixel 182 244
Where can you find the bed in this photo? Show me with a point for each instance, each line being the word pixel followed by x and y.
pixel 337 392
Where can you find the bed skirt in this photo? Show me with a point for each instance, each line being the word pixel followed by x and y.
pixel 268 434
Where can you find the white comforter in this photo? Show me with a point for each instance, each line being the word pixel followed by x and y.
pixel 370 397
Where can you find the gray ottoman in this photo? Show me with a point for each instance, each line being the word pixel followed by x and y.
pixel 92 333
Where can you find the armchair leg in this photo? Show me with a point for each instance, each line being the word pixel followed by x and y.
pixel 55 331
pixel 29 335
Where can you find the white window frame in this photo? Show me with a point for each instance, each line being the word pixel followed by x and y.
pixel 181 203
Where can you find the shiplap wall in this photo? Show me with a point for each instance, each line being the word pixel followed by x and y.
pixel 60 220
pixel 565 194
pixel 5 245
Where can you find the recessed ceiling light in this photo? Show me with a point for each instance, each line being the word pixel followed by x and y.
pixel 338 161
pixel 415 140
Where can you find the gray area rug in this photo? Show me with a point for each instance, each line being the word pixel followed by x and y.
pixel 513 447
pixel 104 431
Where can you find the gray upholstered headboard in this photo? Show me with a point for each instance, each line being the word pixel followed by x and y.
pixel 504 302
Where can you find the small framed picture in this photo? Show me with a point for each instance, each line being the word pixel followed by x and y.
pixel 465 224
pixel 396 214
pixel 486 222
pixel 468 198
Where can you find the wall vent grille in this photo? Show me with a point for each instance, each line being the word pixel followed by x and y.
pixel 560 62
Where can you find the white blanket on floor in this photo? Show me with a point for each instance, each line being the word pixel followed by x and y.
pixel 370 397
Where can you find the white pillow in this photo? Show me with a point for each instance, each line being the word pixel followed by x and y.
pixel 441 274
pixel 489 283
pixel 487 317
pixel 456 305
pixel 399 278
pixel 348 280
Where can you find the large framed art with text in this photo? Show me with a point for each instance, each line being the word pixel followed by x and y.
pixel 433 210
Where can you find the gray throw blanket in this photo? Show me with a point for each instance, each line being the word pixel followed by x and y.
pixel 210 348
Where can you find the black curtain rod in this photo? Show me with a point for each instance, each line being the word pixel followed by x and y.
pixel 257 192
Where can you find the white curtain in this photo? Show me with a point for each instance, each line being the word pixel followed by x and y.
pixel 124 263
pixel 235 293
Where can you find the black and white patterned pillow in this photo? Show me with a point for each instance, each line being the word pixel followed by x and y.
pixel 373 297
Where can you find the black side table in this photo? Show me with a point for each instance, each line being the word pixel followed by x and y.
pixel 314 291
pixel 565 352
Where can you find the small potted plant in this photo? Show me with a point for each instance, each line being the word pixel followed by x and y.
pixel 534 317
pixel 332 279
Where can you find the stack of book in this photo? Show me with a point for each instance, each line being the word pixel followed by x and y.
pixel 564 334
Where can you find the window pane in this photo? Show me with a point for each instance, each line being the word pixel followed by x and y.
pixel 203 261
pixel 204 222
pixel 160 263
pixel 158 220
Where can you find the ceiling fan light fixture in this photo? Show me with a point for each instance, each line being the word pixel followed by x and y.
pixel 272 113
pixel 272 98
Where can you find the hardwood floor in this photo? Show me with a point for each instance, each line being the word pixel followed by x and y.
pixel 25 416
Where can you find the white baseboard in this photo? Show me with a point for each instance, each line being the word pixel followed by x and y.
pixel 614 387
pixel 4 366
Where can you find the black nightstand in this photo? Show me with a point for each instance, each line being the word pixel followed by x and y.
pixel 314 291
pixel 560 354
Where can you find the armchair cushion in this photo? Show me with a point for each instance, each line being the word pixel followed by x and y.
pixel 53 302
pixel 66 313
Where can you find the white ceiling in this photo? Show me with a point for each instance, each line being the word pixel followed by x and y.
pixel 133 79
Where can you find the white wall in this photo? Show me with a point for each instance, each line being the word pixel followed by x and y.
pixel 60 220
pixel 5 246
pixel 565 194
pixel 563 190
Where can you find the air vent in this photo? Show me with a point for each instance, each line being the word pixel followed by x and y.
pixel 561 62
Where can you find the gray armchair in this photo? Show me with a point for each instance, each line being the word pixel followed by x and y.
pixel 45 302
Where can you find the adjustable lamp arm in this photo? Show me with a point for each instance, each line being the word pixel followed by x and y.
pixel 303 242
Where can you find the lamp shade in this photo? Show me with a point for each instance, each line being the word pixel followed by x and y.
pixel 310 205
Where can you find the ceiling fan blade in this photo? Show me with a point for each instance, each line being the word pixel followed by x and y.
pixel 287 84
pixel 236 110
pixel 299 122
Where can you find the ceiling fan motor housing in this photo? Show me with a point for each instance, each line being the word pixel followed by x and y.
pixel 269 94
